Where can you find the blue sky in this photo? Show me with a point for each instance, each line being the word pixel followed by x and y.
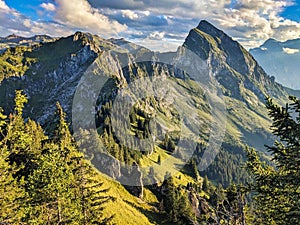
pixel 162 24
pixel 292 12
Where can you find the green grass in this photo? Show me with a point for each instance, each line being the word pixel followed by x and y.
pixel 128 209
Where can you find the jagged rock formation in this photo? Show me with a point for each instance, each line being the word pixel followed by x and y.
pixel 233 66
pixel 53 78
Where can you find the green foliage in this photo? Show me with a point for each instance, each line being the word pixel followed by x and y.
pixel 14 62
pixel 22 139
pixel 277 189
pixel 176 203
pixel 229 205
pixel 43 180
pixel 195 172
pixel 20 101
pixel 11 193
pixel 91 194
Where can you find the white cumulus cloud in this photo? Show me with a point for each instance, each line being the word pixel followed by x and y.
pixel 48 6
pixel 157 35
pixel 3 6
pixel 290 51
pixel 255 21
pixel 81 15
pixel 249 21
pixel 67 18
pixel 12 21
pixel 130 14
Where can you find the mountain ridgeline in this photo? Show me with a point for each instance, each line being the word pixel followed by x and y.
pixel 281 60
pixel 50 70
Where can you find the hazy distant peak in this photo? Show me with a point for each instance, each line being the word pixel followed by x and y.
pixel 13 36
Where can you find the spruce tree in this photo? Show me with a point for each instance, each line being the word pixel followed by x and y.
pixel 277 189
pixel 11 192
pixel 92 195
pixel 195 171
pixel 176 203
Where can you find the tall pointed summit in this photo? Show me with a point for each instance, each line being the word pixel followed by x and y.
pixel 233 66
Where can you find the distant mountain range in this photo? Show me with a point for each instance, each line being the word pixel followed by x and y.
pixel 281 60
pixel 15 40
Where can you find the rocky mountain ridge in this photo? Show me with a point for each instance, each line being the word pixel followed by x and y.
pixel 232 64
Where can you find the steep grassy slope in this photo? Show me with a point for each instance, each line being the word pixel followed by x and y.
pixel 128 209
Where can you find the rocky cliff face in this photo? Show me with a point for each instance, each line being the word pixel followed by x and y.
pixel 233 66
pixel 54 76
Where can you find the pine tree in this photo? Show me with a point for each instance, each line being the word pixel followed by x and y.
pixel 195 171
pixel 159 160
pixel 18 140
pixel 92 194
pixel 176 203
pixel 235 204
pixel 277 189
pixel 205 185
pixel 46 181
pixel 65 188
pixel 11 193
pixel 51 186
pixel 50 189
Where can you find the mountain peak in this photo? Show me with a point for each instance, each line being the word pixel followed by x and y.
pixel 13 36
pixel 206 38
pixel 205 24
pixel 210 29
pixel 231 63
pixel 80 36
pixel 272 44
pixel 270 41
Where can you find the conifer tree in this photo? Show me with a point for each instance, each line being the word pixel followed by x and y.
pixel 92 194
pixel 277 189
pixel 195 171
pixel 205 185
pixel 65 188
pixel 11 193
pixel 176 203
